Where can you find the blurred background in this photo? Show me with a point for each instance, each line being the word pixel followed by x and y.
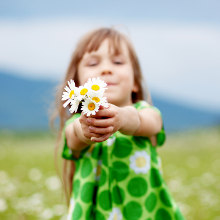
pixel 178 44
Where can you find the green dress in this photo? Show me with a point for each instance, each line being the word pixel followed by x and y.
pixel 120 178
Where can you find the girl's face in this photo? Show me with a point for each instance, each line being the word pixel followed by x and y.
pixel 115 70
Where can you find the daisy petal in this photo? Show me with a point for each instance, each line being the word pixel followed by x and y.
pixel 71 84
pixel 65 97
pixel 66 103
pixel 89 107
pixel 74 106
pixel 67 89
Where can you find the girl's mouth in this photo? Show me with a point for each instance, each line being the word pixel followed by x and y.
pixel 111 84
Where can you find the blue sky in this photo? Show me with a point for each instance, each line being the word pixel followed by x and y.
pixel 177 42
pixel 170 10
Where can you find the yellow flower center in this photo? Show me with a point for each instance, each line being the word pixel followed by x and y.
pixel 96 99
pixel 83 91
pixel 140 162
pixel 95 87
pixel 71 93
pixel 91 106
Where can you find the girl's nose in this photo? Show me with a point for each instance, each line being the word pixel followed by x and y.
pixel 106 72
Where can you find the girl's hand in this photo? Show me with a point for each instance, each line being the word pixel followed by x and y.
pixel 101 126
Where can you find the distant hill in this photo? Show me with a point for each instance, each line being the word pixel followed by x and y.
pixel 178 117
pixel 25 104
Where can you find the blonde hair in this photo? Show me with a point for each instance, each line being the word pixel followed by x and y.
pixel 91 42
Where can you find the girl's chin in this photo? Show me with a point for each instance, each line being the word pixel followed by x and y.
pixel 118 102
pixel 111 99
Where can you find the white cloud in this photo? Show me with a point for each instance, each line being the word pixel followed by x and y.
pixel 182 62
pixel 179 61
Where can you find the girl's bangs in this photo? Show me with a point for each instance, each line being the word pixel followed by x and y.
pixel 95 40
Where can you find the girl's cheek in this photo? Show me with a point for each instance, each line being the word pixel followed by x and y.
pixel 83 77
pixel 86 74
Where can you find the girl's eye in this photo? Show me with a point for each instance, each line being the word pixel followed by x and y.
pixel 118 61
pixel 92 62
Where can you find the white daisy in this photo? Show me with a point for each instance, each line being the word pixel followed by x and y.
pixel 74 105
pixel 71 208
pixel 83 91
pixel 70 93
pixel 96 86
pixel 89 107
pixel 115 214
pixel 140 162
pixel 99 99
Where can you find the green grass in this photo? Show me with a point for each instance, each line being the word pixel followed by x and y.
pixel 29 186
pixel 30 189
pixel 191 165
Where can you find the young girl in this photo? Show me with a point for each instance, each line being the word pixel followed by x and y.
pixel 111 168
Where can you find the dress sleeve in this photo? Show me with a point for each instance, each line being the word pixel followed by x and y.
pixel 161 136
pixel 67 153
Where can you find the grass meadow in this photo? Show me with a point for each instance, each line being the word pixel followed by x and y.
pixel 31 189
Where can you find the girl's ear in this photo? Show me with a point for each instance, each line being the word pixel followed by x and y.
pixel 135 87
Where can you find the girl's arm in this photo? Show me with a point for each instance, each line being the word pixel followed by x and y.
pixel 78 134
pixel 146 122
pixel 127 120
pixel 75 137
pixel 87 130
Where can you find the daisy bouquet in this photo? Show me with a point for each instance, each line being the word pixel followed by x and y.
pixel 90 95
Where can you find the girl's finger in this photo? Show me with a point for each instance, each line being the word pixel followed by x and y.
pixel 101 107
pixel 84 120
pixel 105 113
pixel 100 122
pixel 90 134
pixel 102 138
pixel 98 130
